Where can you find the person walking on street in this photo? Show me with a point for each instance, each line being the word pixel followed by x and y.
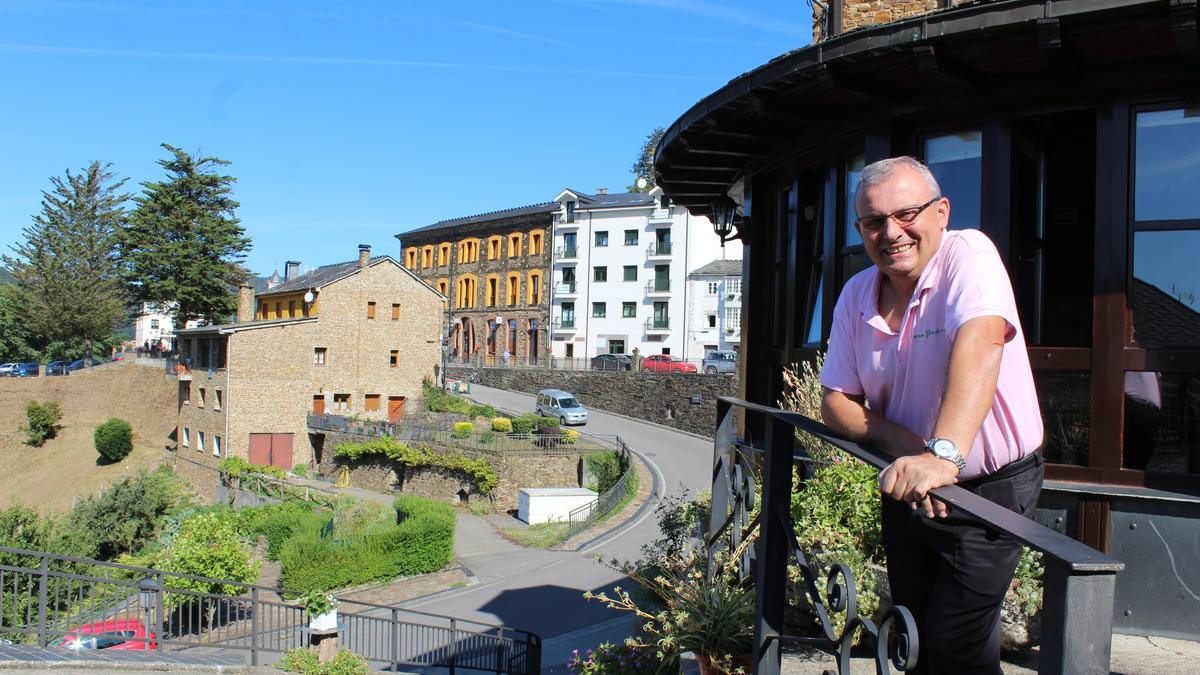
pixel 927 361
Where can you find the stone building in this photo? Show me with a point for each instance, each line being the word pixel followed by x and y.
pixel 354 338
pixel 494 269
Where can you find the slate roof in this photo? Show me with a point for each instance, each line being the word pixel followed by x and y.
pixel 532 209
pixel 589 202
pixel 1160 320
pixel 245 325
pixel 724 268
pixel 320 276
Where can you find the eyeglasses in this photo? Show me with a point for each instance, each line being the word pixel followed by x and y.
pixel 903 216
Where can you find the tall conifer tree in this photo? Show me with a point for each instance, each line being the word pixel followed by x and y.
pixel 183 242
pixel 68 288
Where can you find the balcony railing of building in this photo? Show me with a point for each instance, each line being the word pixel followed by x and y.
pixel 1079 582
pixel 658 323
pixel 564 322
pixel 658 286
pixel 566 252
pixel 659 248
pixel 660 214
pixel 565 288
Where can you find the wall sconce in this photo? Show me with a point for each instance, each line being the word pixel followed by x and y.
pixel 724 210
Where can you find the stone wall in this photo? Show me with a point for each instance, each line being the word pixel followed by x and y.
pixel 863 14
pixel 665 398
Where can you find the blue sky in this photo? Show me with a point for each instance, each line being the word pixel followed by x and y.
pixel 349 122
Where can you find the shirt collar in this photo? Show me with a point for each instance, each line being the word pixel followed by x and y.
pixel 930 276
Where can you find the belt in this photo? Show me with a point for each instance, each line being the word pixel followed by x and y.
pixel 1008 470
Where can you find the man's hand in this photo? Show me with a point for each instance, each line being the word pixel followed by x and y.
pixel 909 479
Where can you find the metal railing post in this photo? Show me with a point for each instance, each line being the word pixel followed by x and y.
pixel 254 626
pixel 160 604
pixel 453 645
pixel 500 651
pixel 395 640
pixel 43 582
pixel 773 548
pixel 1076 620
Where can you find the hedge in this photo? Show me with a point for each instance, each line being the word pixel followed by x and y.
pixel 286 521
pixel 113 439
pixel 502 424
pixel 386 446
pixel 422 542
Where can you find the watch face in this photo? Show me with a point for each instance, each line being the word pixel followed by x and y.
pixel 943 448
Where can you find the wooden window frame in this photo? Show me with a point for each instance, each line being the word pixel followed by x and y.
pixel 320 356
pixel 395 311
pixel 394 358
pixel 367 400
pixel 370 309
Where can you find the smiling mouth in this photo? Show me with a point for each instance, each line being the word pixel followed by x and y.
pixel 893 250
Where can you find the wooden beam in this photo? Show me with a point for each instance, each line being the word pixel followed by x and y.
pixel 931 63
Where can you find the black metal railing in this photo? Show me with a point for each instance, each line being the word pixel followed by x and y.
pixel 1078 585
pixel 49 597
pixel 658 323
pixel 564 322
pixel 566 252
pixel 658 286
pixel 659 248
pixel 583 517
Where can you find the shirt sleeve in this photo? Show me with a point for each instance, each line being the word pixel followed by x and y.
pixel 840 372
pixel 979 286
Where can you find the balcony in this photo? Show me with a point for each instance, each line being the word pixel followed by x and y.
pixel 563 221
pixel 658 325
pixel 659 249
pixel 565 288
pixel 564 324
pixel 661 215
pixel 658 288
pixel 566 253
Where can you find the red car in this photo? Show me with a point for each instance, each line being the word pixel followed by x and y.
pixel 665 363
pixel 112 634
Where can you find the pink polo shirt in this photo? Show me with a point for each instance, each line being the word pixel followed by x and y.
pixel 903 375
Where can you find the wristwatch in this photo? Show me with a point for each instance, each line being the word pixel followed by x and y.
pixel 944 448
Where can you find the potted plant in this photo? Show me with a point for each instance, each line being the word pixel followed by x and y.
pixel 321 609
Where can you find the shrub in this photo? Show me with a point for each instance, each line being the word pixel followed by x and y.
pixel 570 436
pixel 113 439
pixel 483 473
pixel 300 470
pixel 129 513
pixel 437 400
pixel 43 419
pixel 523 425
pixel 502 424
pixel 236 467
pixel 543 422
pixel 606 468
pixel 463 429
pixel 304 661
pixel 481 411
pixel 207 546
pixel 285 521
pixel 610 658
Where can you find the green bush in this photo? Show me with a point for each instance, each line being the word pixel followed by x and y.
pixel 606 468
pixel 43 419
pixel 523 425
pixel 388 447
pixel 502 424
pixel 207 546
pixel 570 436
pixel 304 661
pixel 437 400
pixel 300 470
pixel 285 521
pixel 422 542
pixel 543 422
pixel 479 410
pixel 236 467
pixel 114 439
pixel 129 513
pixel 463 429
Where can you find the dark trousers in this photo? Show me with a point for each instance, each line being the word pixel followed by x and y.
pixel 952 573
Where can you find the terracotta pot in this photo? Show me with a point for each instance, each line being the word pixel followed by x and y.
pixel 744 661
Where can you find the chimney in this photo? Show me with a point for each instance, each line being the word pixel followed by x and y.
pixel 245 305
pixel 601 191
pixel 291 270
pixel 364 254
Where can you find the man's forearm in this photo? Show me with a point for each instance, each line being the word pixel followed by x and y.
pixel 971 380
pixel 848 417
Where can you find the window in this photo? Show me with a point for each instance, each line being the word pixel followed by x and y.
pixel 631 237
pixel 200 441
pixel 601 239
pixel 410 258
pixel 153 324
pixel 370 310
pixel 427 256
pixel 468 251
pixel 319 356
pixel 200 401
pixel 443 286
pixel 187 440
pixel 712 320
pixel 629 273
pixel 568 315
pixel 1165 182
pixel 341 402
pixel 493 290
pixel 291 309
pixel 712 287
pixel 220 401
pixel 278 310
pixel 628 310
pixel 599 310
pixel 443 254
pixel 494 247
pixel 956 160
pixel 466 293
pixel 535 287
pixel 394 358
pixel 185 392
pixel 600 273
pixel 395 311
pixel 514 288
pixel 262 309
pixel 852 171
pixel 535 243
pixel 733 319
pixel 216 446
pixel 662 317
pixel 371 403
pixel 733 285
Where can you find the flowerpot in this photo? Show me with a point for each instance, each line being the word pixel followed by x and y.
pixel 745 662
pixel 323 622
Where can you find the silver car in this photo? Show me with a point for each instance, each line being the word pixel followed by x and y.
pixel 561 404
pixel 724 361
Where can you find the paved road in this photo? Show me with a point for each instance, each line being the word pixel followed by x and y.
pixel 541 591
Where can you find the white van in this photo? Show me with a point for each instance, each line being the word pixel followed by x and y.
pixel 561 404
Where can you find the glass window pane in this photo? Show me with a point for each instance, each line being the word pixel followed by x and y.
pixel 956 160
pixel 853 171
pixel 1167 166
pixel 1065 398
pixel 1161 410
pixel 813 335
pixel 853 263
pixel 1165 291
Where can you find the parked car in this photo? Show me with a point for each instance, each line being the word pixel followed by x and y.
pixel 720 362
pixel 561 404
pixel 80 364
pixel 665 363
pixel 56 368
pixel 113 634
pixel 6 369
pixel 26 370
pixel 613 362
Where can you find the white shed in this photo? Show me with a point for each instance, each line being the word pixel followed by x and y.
pixel 545 505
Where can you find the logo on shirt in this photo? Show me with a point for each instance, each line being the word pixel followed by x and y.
pixel 928 332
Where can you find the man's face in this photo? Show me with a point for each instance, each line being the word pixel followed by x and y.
pixel 902 250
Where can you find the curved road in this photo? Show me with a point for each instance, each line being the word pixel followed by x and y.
pixel 542 591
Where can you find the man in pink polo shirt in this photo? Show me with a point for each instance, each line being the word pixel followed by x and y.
pixel 927 361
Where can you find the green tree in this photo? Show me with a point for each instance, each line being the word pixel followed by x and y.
pixel 17 341
pixel 643 168
pixel 207 545
pixel 66 266
pixel 43 421
pixel 183 242
pixel 113 439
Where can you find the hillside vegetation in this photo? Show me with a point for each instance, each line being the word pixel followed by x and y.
pixel 50 477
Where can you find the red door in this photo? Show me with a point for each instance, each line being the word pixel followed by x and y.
pixel 273 449
pixel 260 449
pixel 395 408
pixel 318 404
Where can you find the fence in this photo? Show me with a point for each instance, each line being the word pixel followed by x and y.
pixel 47 597
pixel 583 517
pixel 622 363
pixel 1079 582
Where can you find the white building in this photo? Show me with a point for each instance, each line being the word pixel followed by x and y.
pixel 715 307
pixel 621 263
pixel 154 326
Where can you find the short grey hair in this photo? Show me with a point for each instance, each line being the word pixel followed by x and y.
pixel 877 172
